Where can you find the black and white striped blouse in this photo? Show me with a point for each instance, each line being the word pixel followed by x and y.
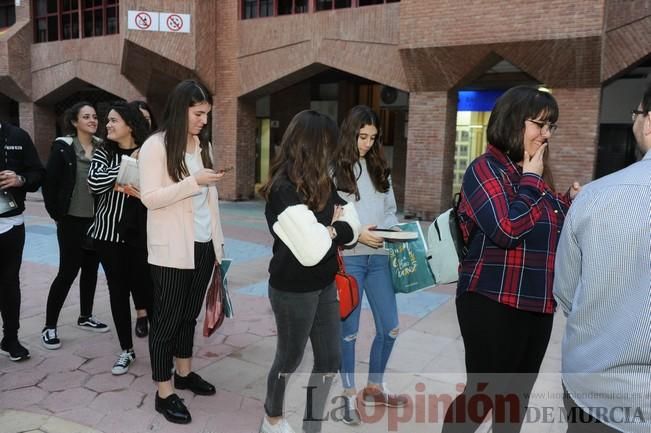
pixel 109 203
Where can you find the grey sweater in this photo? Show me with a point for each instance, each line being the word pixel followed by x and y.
pixel 373 207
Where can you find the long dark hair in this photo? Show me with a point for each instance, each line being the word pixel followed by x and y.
pixel 142 105
pixel 346 154
pixel 506 124
pixel 72 115
pixel 134 120
pixel 186 94
pixel 303 158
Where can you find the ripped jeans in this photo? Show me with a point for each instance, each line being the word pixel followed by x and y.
pixel 373 277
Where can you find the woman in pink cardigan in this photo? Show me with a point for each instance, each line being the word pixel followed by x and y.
pixel 184 239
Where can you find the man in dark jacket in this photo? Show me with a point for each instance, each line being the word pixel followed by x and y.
pixel 20 171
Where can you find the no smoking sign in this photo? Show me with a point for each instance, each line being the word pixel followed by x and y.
pixel 158 22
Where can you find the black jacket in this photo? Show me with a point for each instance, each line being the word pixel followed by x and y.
pixel 18 154
pixel 60 177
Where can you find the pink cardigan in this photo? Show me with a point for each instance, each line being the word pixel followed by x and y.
pixel 170 217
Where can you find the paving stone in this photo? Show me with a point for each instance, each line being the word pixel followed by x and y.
pixel 58 425
pixel 61 363
pixel 19 421
pixel 108 382
pixel 65 380
pixel 21 379
pixel 84 416
pixel 215 351
pixel 99 365
pixel 117 402
pixel 71 398
pixel 21 398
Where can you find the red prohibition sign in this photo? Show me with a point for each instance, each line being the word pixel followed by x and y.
pixel 143 20
pixel 174 23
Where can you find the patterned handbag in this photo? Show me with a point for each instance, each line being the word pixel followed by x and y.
pixel 214 303
pixel 347 290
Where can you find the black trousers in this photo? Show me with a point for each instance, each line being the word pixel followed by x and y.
pixel 504 349
pixel 74 254
pixel 178 297
pixel 11 258
pixel 126 269
pixel 301 316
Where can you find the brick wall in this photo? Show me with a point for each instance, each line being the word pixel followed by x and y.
pixel 451 23
pixel 573 149
pixel 40 124
pixel 430 153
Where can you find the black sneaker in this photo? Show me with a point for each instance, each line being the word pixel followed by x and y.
pixel 90 323
pixel 50 339
pixel 14 350
pixel 125 359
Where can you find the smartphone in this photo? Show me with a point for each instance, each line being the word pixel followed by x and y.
pixel 225 170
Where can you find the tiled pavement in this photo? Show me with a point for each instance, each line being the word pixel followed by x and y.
pixel 72 389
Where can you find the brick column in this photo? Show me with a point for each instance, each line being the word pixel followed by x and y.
pixel 573 149
pixel 234 119
pixel 40 124
pixel 430 153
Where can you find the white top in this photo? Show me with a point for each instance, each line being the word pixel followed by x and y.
pixel 9 223
pixel 200 201
pixel 373 207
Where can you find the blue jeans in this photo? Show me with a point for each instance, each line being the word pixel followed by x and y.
pixel 373 277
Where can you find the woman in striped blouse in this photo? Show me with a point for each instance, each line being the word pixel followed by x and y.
pixel 126 130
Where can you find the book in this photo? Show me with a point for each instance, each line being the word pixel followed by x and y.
pixel 128 180
pixel 395 234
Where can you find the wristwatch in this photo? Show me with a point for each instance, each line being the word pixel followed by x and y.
pixel 22 180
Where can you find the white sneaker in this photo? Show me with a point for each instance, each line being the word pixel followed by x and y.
pixel 281 427
pixel 125 359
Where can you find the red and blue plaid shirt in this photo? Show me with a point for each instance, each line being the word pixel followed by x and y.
pixel 512 223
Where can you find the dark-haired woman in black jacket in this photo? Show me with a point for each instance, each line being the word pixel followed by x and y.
pixel 70 204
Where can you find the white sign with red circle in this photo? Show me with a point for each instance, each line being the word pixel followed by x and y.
pixel 143 20
pixel 158 22
pixel 175 23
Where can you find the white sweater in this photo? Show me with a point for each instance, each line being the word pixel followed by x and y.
pixel 373 207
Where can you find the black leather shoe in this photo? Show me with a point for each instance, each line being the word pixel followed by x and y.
pixel 173 409
pixel 194 383
pixel 142 327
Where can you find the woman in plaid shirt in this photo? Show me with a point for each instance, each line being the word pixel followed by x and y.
pixel 511 220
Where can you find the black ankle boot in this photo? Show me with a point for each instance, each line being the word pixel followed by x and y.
pixel 194 383
pixel 173 409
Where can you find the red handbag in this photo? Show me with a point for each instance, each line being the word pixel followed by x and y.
pixel 347 290
pixel 214 303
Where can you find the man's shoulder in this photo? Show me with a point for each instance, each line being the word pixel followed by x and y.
pixel 637 174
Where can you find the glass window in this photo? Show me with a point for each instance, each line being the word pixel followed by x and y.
pixel 99 23
pixel 340 4
pixel 322 5
pixel 300 6
pixel 88 24
pixel 7 13
pixel 285 7
pixel 266 8
pixel 249 9
pixel 111 21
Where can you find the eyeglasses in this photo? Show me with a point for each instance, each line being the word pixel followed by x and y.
pixel 635 113
pixel 544 126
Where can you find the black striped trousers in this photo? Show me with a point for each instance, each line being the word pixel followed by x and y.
pixel 178 297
